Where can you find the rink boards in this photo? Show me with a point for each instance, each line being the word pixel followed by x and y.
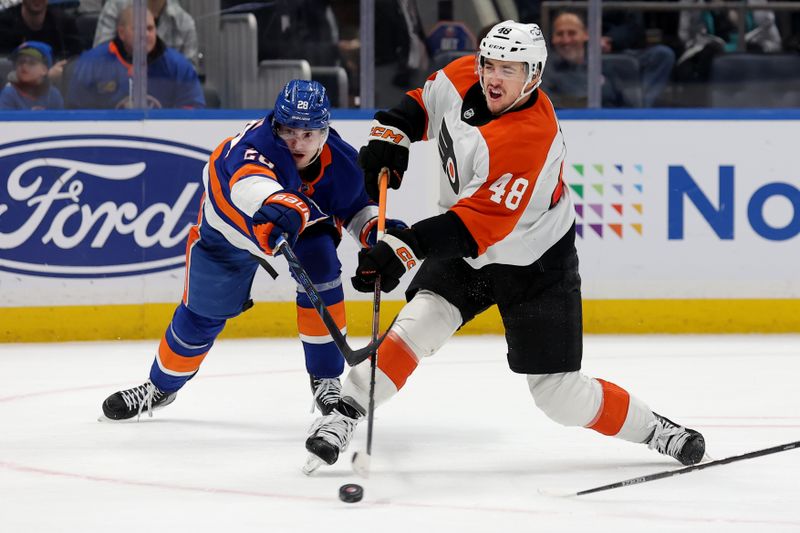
pixel 688 221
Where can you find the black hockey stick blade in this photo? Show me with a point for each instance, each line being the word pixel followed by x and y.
pixel 353 357
pixel 266 266
pixel 692 468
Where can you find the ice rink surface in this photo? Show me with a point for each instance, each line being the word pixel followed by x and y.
pixel 461 449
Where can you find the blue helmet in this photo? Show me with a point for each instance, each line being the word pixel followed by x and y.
pixel 37 49
pixel 303 104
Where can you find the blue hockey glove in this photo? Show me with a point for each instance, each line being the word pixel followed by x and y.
pixel 372 235
pixel 283 212
pixel 393 256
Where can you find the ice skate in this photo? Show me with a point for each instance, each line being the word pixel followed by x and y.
pixel 684 444
pixel 327 393
pixel 330 435
pixel 128 403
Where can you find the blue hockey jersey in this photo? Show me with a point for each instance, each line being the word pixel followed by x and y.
pixel 246 169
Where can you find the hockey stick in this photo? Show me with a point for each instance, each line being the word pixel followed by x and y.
pixel 353 357
pixel 361 461
pixel 686 470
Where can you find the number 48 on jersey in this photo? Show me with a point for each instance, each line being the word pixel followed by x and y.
pixel 510 196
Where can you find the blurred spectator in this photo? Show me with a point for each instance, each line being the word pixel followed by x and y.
pixel 29 87
pixel 33 20
pixel 791 42
pixel 450 36
pixel 101 76
pixel 346 14
pixel 401 57
pixel 761 32
pixel 90 6
pixel 529 11
pixel 175 26
pixel 565 78
pixel 288 29
pixel 706 34
pixel 661 27
pixel 624 32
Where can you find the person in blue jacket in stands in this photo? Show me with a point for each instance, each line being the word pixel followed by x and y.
pixel 102 74
pixel 28 86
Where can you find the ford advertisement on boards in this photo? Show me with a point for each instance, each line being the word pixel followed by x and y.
pixel 97 205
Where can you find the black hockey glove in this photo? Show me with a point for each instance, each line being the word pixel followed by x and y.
pixel 393 256
pixel 387 146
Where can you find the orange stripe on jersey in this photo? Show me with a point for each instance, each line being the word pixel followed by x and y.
pixel 194 235
pixel 251 169
pixel 518 144
pixel 178 363
pixel 461 74
pixel 416 95
pixel 396 359
pixel 325 159
pixel 613 409
pixel 219 197
pixel 309 323
pixel 559 187
pixel 362 237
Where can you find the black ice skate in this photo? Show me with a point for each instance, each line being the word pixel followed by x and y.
pixel 327 393
pixel 128 403
pixel 684 444
pixel 330 435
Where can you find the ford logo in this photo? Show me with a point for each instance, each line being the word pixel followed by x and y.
pixel 97 205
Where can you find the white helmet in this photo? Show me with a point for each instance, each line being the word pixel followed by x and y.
pixel 514 41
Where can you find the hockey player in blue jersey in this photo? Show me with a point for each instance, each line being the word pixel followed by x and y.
pixel 288 173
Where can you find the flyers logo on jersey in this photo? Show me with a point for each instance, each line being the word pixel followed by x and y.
pixel 95 206
pixel 386 134
pixel 447 155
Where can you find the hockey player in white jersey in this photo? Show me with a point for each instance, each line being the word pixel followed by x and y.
pixel 505 237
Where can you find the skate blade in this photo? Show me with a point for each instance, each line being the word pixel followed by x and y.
pixel 312 464
pixel 361 463
pixel 104 419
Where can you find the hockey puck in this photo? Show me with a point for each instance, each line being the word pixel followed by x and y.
pixel 351 493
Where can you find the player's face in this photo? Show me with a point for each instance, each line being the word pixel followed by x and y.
pixel 502 82
pixel 303 144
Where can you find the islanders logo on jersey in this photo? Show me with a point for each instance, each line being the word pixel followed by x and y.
pixel 97 205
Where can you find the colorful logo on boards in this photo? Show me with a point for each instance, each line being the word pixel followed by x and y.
pixel 608 199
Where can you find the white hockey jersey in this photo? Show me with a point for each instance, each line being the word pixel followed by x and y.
pixel 503 178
